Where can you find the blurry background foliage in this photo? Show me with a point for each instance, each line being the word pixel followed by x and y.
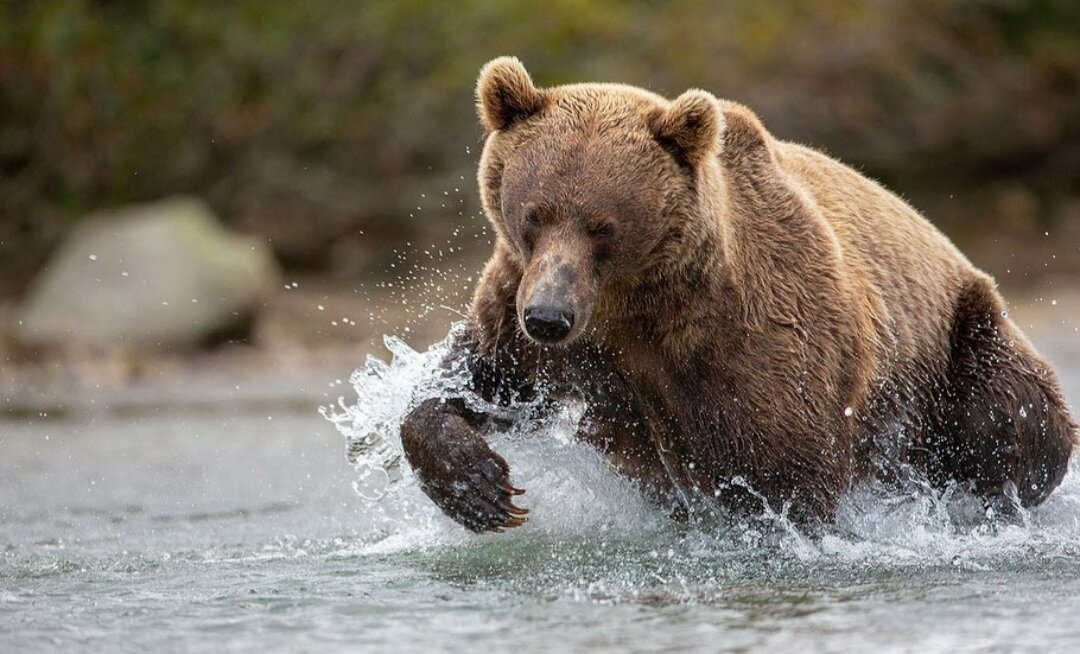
pixel 307 122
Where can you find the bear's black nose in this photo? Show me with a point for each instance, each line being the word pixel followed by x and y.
pixel 548 324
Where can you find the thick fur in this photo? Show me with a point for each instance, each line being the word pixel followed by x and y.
pixel 755 322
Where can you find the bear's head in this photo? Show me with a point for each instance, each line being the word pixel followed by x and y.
pixel 591 189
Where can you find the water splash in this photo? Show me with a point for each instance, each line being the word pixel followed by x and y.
pixel 575 497
pixel 571 489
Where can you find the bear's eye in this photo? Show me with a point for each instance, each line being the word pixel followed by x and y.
pixel 603 231
pixel 530 228
pixel 533 217
pixel 601 235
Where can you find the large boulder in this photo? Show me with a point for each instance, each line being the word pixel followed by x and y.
pixel 161 275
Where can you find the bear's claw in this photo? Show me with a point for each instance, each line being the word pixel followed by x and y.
pixel 479 506
pixel 487 504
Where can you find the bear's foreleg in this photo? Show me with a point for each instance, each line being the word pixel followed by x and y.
pixel 443 439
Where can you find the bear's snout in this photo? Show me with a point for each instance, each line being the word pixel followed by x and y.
pixel 547 323
pixel 556 294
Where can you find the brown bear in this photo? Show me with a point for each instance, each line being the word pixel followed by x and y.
pixel 749 321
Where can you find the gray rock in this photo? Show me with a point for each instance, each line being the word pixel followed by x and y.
pixel 160 275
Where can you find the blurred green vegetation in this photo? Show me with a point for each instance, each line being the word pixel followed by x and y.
pixel 310 121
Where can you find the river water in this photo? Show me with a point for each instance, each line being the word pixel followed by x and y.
pixel 242 531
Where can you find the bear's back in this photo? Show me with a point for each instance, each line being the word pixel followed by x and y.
pixel 909 273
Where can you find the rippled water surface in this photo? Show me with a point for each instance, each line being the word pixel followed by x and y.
pixel 244 532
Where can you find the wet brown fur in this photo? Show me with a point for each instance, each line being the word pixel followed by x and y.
pixel 758 322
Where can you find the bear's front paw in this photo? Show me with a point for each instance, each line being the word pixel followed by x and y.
pixel 459 472
pixel 475 489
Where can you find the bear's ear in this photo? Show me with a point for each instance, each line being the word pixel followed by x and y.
pixel 505 93
pixel 691 127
